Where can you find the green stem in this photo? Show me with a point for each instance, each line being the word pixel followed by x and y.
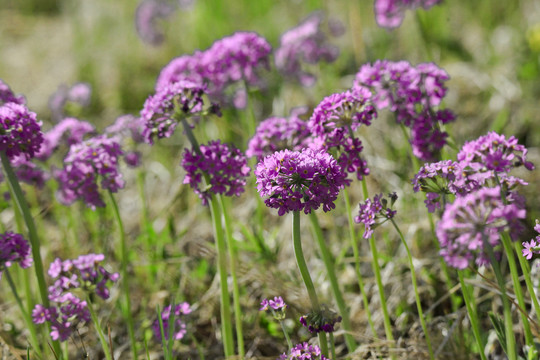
pixel 415 286
pixel 329 264
pixel 354 244
pixel 527 275
pixel 226 323
pixel 302 266
pixel 377 271
pixel 332 345
pixel 102 339
pixel 125 276
pixel 234 260
pixel 471 310
pixel 26 315
pixel 289 342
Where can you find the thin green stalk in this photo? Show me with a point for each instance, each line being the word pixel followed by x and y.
pixel 289 342
pixel 508 323
pixel 128 316
pixel 527 275
pixel 470 303
pixel 302 266
pixel 332 345
pixel 225 309
pixel 329 264
pixel 22 206
pixel 380 286
pixel 102 339
pixel 27 319
pixel 415 286
pixel 354 244
pixel 231 245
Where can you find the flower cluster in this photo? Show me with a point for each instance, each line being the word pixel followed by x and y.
pixel 7 96
pixel 86 163
pixel 79 93
pixel 277 133
pixel 390 13
pixel 304 351
pixel 67 310
pixel 20 132
pixel 373 213
pixel 28 172
pixel 323 320
pixel 128 129
pixel 473 222
pixel 296 181
pixel 146 16
pixel 68 131
pixel 161 111
pixel 276 306
pixel 335 119
pixel 179 331
pixel 222 166
pixel 412 93
pixel 14 248
pixel 304 43
pixel 532 247
pixel 229 60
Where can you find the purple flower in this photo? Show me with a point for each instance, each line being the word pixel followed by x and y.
pixel 146 16
pixel 223 166
pixel 390 13
pixel 303 351
pixel 127 126
pixel 7 96
pixel 80 93
pixel 20 132
pixel 86 163
pixel 277 306
pixel 373 213
pixel 321 320
pixel 161 111
pixel 304 43
pixel 473 221
pixel 277 133
pixel 14 248
pixel 68 131
pixel 296 181
pixel 335 119
pixel 179 331
pixel 28 172
pixel 532 247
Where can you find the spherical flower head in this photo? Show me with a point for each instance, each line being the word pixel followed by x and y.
pixel 14 248
pixel 20 132
pixel 473 222
pixel 146 17
pixel 304 43
pixel 299 181
pixel 373 213
pixel 390 13
pixel 493 152
pixel 276 306
pixel 222 165
pixel 321 320
pixel 277 133
pixel 180 329
pixel 86 163
pixel 7 96
pixel 68 131
pixel 304 351
pixel 162 111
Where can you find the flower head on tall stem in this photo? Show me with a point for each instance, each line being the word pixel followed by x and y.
pixel 390 13
pixel 80 94
pixel 14 248
pixel 20 132
pixel 323 319
pixel 146 16
pixel 277 306
pixel 180 328
pixel 7 96
pixel 224 166
pixel 532 247
pixel 299 181
pixel 304 43
pixel 68 131
pixel 303 351
pixel 473 221
pixel 373 213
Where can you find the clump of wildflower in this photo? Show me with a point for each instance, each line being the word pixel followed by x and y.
pixel 80 94
pixel 67 311
pixel 474 221
pixel 323 320
pixel 7 96
pixel 28 172
pixel 20 132
pixel 14 248
pixel 390 13
pixel 179 331
pixel 277 306
pixel 336 118
pixel 533 246
pixel 373 213
pixel 68 131
pixel 127 126
pixel 161 111
pixel 304 43
pixel 412 93
pixel 86 163
pixel 299 181
pixel 223 166
pixel 277 133
pixel 303 351
pixel 146 16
